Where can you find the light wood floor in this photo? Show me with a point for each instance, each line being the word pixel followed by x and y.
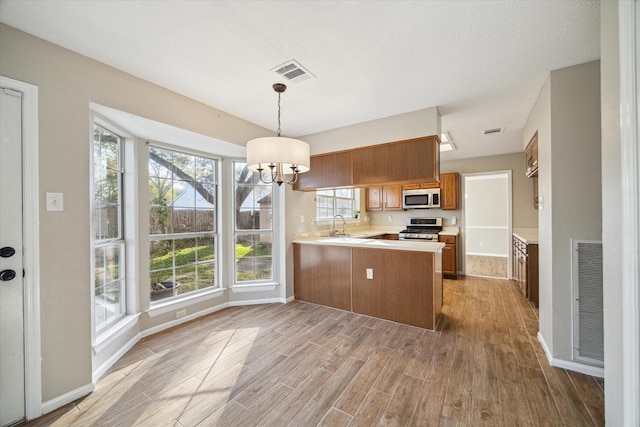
pixel 304 365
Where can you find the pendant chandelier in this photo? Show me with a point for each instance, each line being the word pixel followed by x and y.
pixel 283 156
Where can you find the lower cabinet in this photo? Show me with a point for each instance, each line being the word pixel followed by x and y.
pixel 401 286
pixel 449 256
pixel 322 275
pixel 525 268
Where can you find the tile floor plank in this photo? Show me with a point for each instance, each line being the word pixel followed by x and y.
pixel 305 364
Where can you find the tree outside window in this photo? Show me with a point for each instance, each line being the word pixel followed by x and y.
pixel 253 231
pixel 182 223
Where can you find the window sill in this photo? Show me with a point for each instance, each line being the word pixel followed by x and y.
pixel 109 335
pixel 177 304
pixel 254 287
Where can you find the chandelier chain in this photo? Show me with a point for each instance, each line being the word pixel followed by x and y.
pixel 279 113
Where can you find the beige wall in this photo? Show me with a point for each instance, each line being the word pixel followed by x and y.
pixel 567 117
pixel 67 83
pixel 395 128
pixel 611 220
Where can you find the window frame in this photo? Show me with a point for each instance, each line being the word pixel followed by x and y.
pixel 355 199
pixel 172 237
pixel 119 241
pixel 239 232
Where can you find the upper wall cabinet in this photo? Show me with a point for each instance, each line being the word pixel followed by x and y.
pixel 412 160
pixel 449 183
pixel 326 171
pixel 403 161
pixel 532 156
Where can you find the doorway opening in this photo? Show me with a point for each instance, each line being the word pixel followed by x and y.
pixel 487 222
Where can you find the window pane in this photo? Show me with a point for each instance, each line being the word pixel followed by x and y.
pixel 109 285
pixel 108 274
pixel 181 201
pixel 254 257
pixel 205 220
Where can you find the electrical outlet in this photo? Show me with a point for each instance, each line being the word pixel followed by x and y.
pixel 481 244
pixel 370 273
pixel 390 218
pixel 181 313
pixel 301 219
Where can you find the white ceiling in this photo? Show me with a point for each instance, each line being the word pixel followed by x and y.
pixel 481 62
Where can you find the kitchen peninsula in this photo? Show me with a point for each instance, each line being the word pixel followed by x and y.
pixel 396 280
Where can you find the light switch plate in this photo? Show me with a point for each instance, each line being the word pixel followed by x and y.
pixel 55 202
pixel 370 273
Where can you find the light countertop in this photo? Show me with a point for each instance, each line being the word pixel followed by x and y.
pixel 527 235
pixel 359 240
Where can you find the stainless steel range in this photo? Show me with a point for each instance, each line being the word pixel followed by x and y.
pixel 421 229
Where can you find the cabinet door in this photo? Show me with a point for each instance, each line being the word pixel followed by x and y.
pixel 449 191
pixel 322 275
pixel 326 171
pixel 392 197
pixel 373 199
pixel 416 160
pixel 449 256
pixel 448 260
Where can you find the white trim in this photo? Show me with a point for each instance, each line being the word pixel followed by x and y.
pixel 115 331
pixel 594 371
pixel 31 244
pixel 629 122
pixel 254 287
pixel 100 371
pixel 176 322
pixel 290 299
pixel 184 302
pixel 257 301
pixel 63 399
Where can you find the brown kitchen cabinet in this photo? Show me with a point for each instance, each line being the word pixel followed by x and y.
pixel 449 194
pixel 525 268
pixel 383 198
pixel 322 275
pixel 326 171
pixel 413 160
pixel 449 256
pixel 532 156
pixel 403 286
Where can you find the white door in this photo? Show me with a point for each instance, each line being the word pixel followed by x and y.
pixel 12 378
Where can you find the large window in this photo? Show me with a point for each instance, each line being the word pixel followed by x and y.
pixel 182 223
pixel 253 226
pixel 341 201
pixel 109 294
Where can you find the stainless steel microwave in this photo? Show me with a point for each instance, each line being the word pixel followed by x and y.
pixel 423 198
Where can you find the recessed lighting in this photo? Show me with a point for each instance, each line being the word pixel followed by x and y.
pixel 447 146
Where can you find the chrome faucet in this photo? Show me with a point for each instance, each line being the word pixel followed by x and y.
pixel 333 228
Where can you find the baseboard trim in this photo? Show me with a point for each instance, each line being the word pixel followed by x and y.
pixel 258 301
pixel 570 365
pixel 98 373
pixel 66 398
pixel 176 322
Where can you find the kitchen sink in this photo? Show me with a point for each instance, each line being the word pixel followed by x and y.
pixel 385 236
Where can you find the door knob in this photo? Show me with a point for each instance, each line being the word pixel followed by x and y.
pixel 7 252
pixel 6 275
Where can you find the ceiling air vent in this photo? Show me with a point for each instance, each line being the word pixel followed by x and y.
pixel 492 131
pixel 293 71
